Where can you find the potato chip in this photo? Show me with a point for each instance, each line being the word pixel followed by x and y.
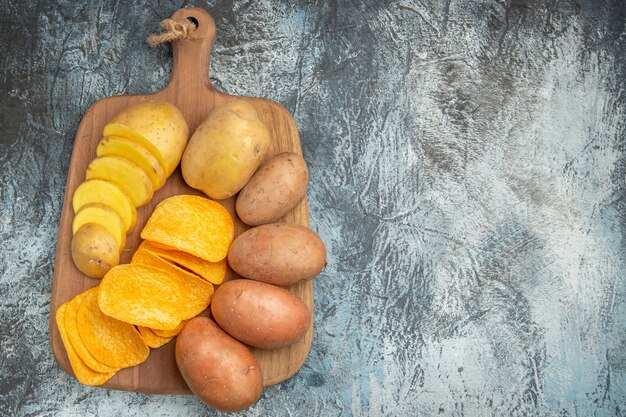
pixel 151 297
pixel 145 256
pixel 83 373
pixel 170 333
pixel 151 339
pixel 71 327
pixel 192 224
pixel 110 341
pixel 214 272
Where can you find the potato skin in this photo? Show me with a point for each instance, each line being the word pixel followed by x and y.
pixel 274 190
pixel 221 371
pixel 94 250
pixel 225 150
pixel 278 253
pixel 260 314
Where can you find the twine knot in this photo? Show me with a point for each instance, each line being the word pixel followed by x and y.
pixel 173 30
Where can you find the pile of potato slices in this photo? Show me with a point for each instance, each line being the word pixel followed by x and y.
pixel 144 304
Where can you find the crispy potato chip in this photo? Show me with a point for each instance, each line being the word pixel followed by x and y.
pixel 151 297
pixel 83 373
pixel 110 341
pixel 152 339
pixel 71 326
pixel 145 256
pixel 214 272
pixel 170 333
pixel 192 224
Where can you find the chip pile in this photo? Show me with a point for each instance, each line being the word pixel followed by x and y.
pixel 145 304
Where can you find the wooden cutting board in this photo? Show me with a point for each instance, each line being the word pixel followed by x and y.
pixel 190 90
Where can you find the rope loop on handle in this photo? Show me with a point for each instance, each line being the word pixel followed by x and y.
pixel 173 30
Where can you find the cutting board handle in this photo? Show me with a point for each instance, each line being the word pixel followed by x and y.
pixel 192 57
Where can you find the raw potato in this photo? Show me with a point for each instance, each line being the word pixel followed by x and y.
pixel 279 253
pixel 105 217
pixel 274 190
pixel 225 150
pixel 109 194
pixel 221 371
pixel 120 130
pixel 94 250
pixel 134 152
pixel 260 314
pixel 159 123
pixel 124 173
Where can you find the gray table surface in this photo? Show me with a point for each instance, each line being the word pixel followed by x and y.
pixel 467 164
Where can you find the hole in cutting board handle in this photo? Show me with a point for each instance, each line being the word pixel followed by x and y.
pixel 193 20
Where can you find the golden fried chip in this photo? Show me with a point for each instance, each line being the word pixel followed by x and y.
pixel 151 297
pixel 214 272
pixel 110 341
pixel 192 224
pixel 71 327
pixel 151 338
pixel 170 333
pixel 83 373
pixel 145 256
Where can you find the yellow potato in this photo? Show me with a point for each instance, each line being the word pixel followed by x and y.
pixel 134 152
pixel 105 217
pixel 225 150
pixel 122 131
pixel 159 123
pixel 94 250
pixel 124 173
pixel 109 194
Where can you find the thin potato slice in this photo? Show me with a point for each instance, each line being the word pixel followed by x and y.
pixel 134 152
pixel 109 194
pixel 104 216
pixel 83 373
pixel 110 341
pixel 118 129
pixel 151 297
pixel 170 333
pixel 71 326
pixel 214 272
pixel 124 173
pixel 192 224
pixel 152 339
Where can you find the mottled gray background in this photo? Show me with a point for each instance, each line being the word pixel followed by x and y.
pixel 467 167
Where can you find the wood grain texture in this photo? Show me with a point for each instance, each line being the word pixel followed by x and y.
pixel 191 91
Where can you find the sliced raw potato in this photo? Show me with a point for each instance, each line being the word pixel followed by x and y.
pixel 110 341
pixel 161 124
pixel 151 339
pixel 170 333
pixel 83 373
pixel 94 250
pixel 214 272
pixel 134 152
pixel 71 327
pixel 151 297
pixel 124 173
pixel 109 194
pixel 120 130
pixel 105 217
pixel 192 224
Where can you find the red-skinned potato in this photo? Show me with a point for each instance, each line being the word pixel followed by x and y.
pixel 279 253
pixel 221 371
pixel 274 190
pixel 259 314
